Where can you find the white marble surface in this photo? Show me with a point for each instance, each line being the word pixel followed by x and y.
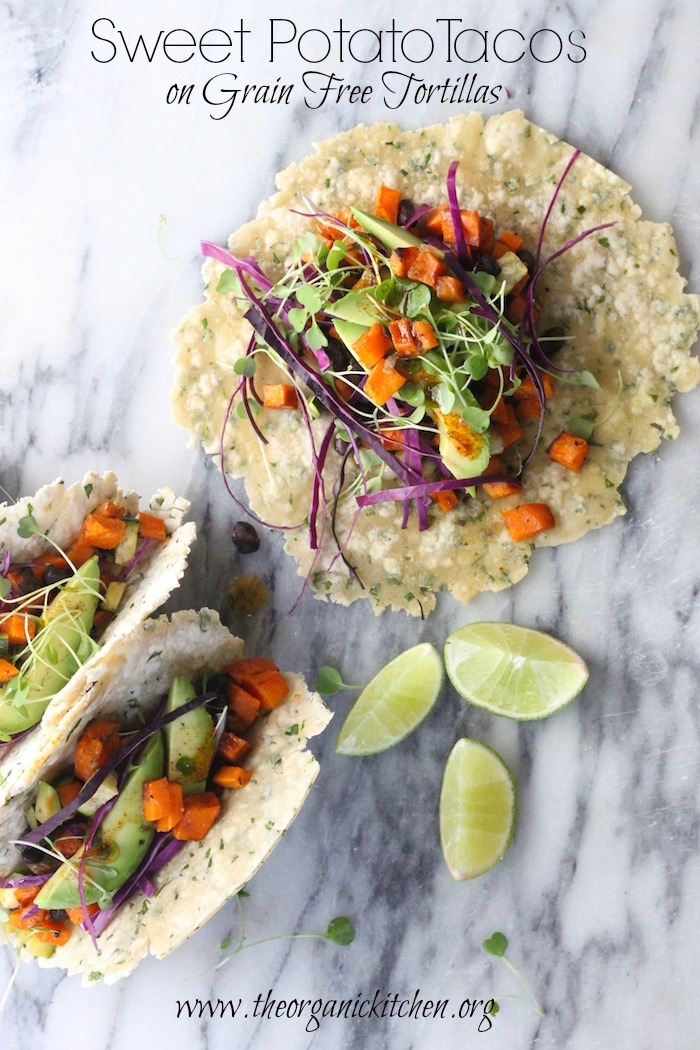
pixel 599 893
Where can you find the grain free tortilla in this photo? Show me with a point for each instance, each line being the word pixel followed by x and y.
pixel 59 511
pixel 130 680
pixel 619 295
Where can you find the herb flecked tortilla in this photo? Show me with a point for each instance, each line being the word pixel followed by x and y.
pixel 128 681
pixel 618 294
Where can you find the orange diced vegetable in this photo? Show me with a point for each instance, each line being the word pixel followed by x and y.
pixel 177 808
pixel 26 894
pixel 260 678
pixel 511 240
pixel 528 519
pixel 280 395
pixel 509 432
pixel 426 268
pixel 243 706
pixel 68 845
pixel 387 204
pixel 233 748
pixel 432 220
pixel 102 532
pixel 470 225
pixel 499 489
pixel 200 813
pixel 446 499
pixel 151 527
pixel 569 450
pixel 515 311
pixel 53 933
pixel 392 438
pixel 108 509
pixel 449 289
pixel 485 234
pixel 372 346
pixel 232 777
pixel 401 258
pixel 19 628
pixel 424 334
pixel 527 387
pixel 80 552
pixel 527 408
pixel 383 382
pixel 98 743
pixel 22 919
pixel 77 915
pixel 7 670
pixel 67 792
pixel 334 233
pixel 155 799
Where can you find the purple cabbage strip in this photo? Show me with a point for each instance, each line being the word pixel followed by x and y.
pixel 160 853
pixel 15 738
pixel 14 882
pixel 5 564
pixel 97 819
pixel 572 160
pixel 141 550
pixel 428 487
pixel 455 214
pixel 90 787
pixel 420 211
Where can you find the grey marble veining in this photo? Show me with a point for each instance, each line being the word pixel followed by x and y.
pixel 106 193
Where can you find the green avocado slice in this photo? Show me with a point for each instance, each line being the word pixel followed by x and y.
pixel 191 740
pixel 58 648
pixel 123 837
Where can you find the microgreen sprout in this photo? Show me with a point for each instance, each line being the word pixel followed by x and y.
pixel 339 931
pixel 497 945
pixel 328 681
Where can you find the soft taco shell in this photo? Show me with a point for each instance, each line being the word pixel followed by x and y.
pixel 59 511
pixel 133 677
pixel 618 293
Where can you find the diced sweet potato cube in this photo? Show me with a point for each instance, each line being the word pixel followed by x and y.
pixel 569 450
pixel 528 519
pixel 200 813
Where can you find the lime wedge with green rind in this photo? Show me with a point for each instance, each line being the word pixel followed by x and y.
pixel 396 700
pixel 478 809
pixel 513 671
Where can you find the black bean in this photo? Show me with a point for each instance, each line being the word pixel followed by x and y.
pixel 337 353
pixel 32 855
pixel 55 574
pixel 58 914
pixel 553 340
pixel 340 446
pixel 486 264
pixel 406 211
pixel 528 258
pixel 245 538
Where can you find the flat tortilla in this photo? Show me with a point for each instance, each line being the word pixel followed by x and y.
pixel 59 511
pixel 132 676
pixel 619 294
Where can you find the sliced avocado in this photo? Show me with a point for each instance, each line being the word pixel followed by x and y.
pixel 8 897
pixel 464 452
pixel 513 270
pixel 113 596
pixel 53 662
pixel 349 333
pixel 47 802
pixel 30 940
pixel 122 840
pixel 191 740
pixel 387 233
pixel 107 790
pixel 358 308
pixel 126 549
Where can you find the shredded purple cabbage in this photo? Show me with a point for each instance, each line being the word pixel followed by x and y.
pixel 455 213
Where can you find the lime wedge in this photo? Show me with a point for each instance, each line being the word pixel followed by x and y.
pixel 513 671
pixel 477 809
pixel 393 703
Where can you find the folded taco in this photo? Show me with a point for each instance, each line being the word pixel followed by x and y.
pixel 434 351
pixel 184 763
pixel 81 566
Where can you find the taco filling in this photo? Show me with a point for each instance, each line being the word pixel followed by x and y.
pixel 413 332
pixel 55 607
pixel 100 831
